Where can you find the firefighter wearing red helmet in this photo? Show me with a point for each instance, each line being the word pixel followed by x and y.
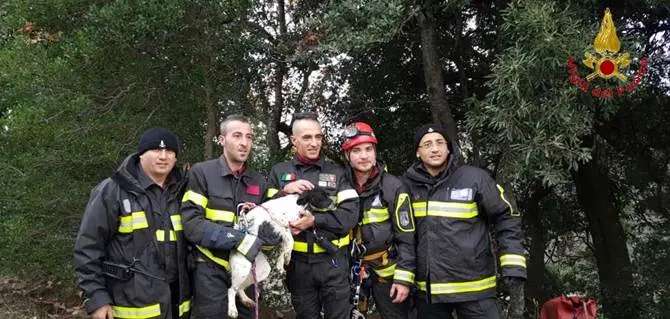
pixel 384 237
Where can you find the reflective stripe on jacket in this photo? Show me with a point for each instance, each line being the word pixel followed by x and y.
pixel 124 226
pixel 452 211
pixel 209 206
pixel 335 223
pixel 386 227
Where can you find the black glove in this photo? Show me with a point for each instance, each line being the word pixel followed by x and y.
pixel 517 305
pixel 268 235
pixel 218 237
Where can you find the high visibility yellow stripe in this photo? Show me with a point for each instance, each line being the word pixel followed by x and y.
pixel 404 275
pixel 184 307
pixel 445 209
pixel 219 215
pixel 271 192
pixel 302 247
pixel 176 222
pixel 160 235
pixel 346 195
pixel 246 244
pixel 512 260
pixel 136 313
pixel 458 287
pixel 215 259
pixel 502 196
pixel 419 209
pixel 375 215
pixel 196 198
pixel 385 272
pixel 135 221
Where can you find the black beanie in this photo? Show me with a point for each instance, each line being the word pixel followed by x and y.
pixel 158 138
pixel 429 128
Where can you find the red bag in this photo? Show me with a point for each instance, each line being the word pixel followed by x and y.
pixel 573 307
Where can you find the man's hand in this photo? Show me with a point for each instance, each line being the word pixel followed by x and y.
pixel 247 206
pixel 399 293
pixel 104 312
pixel 304 222
pixel 298 187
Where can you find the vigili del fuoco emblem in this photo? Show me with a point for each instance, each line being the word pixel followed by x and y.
pixel 606 62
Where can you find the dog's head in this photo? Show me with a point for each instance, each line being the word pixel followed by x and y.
pixel 288 208
pixel 316 199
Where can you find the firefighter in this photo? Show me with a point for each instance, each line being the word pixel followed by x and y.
pixel 318 274
pixel 384 236
pixel 129 255
pixel 216 190
pixel 453 206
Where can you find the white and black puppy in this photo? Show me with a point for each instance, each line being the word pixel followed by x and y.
pixel 270 220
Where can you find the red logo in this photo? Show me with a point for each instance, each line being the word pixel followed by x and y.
pixel 254 190
pixel 606 63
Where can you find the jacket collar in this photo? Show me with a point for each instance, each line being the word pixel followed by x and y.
pixel 298 163
pixel 374 180
pixel 225 170
pixel 127 175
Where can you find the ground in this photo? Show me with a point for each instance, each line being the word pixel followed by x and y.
pixel 38 299
pixel 25 299
pixel 45 299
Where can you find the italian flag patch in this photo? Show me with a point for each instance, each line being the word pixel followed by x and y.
pixel 288 177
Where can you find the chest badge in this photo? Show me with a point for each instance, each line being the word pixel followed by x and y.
pixel 377 202
pixel 254 190
pixel 464 194
pixel 328 180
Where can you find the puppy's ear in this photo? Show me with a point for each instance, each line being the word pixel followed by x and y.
pixel 320 198
pixel 303 198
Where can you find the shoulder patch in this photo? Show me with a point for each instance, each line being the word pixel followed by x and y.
pixel 404 218
pixel 287 177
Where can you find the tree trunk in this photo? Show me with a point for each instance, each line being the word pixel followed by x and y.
pixel 276 110
pixel 595 192
pixel 210 108
pixel 432 71
pixel 533 215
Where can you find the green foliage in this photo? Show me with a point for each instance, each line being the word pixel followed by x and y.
pixel 72 106
pixel 532 115
pixel 354 26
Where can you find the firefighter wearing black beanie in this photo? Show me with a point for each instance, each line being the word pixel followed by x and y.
pixel 455 207
pixel 430 128
pixel 157 138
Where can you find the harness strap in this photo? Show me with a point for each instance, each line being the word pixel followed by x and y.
pixel 374 256
pixel 257 293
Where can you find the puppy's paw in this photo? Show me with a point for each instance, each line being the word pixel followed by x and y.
pixel 232 312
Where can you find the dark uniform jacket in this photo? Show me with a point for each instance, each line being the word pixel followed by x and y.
pixel 125 225
pixel 335 223
pixel 386 227
pixel 453 211
pixel 209 209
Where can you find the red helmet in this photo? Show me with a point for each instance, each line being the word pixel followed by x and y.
pixel 358 133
